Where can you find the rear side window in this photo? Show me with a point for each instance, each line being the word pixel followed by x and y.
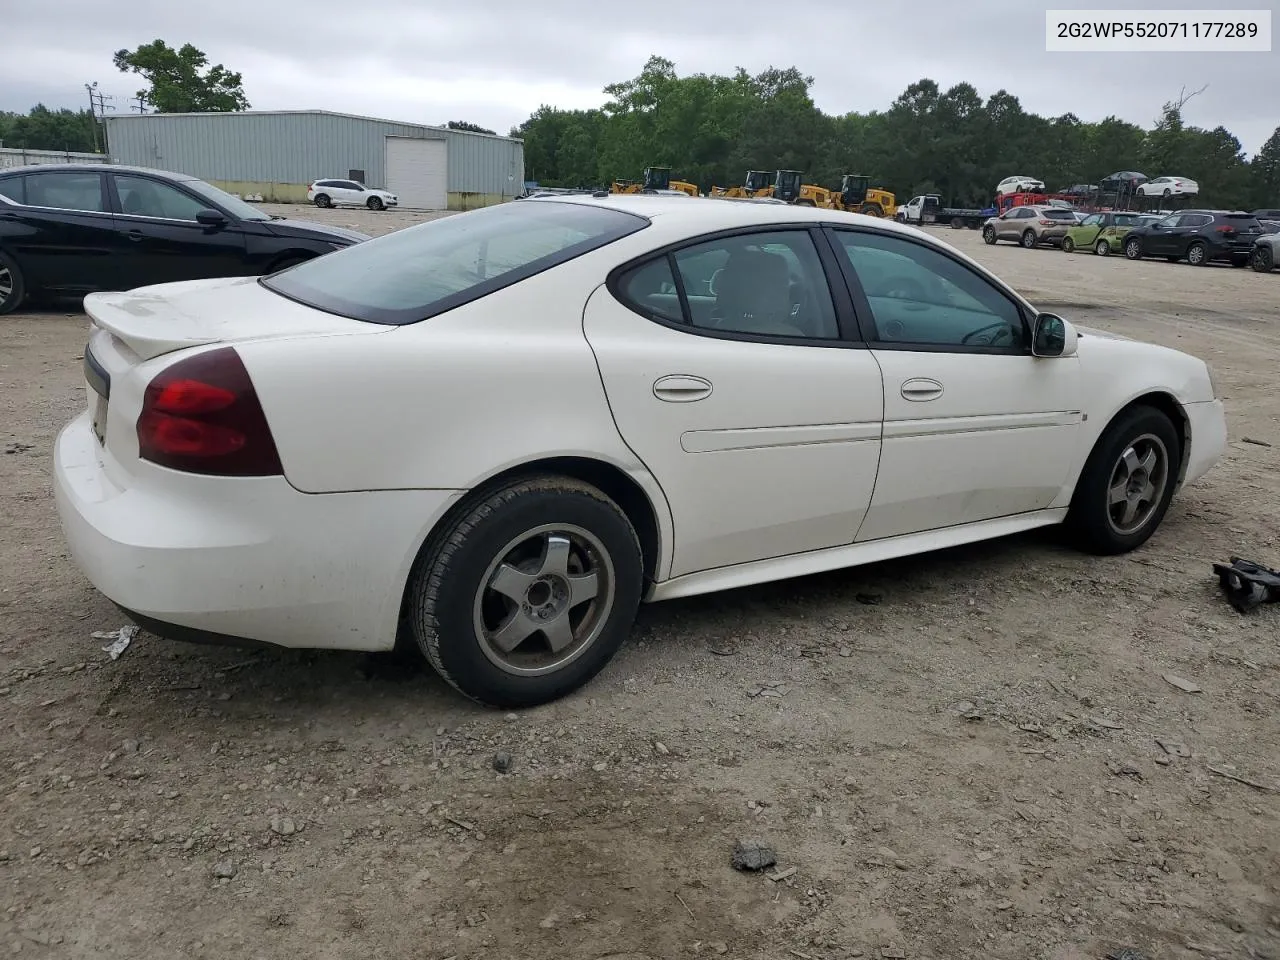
pixel 66 191
pixel 412 274
pixel 12 189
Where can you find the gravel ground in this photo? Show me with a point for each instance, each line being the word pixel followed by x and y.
pixel 951 756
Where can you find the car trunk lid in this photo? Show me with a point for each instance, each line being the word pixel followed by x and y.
pixel 153 321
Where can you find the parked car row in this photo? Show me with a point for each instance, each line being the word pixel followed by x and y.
pixel 1199 237
pixel 78 228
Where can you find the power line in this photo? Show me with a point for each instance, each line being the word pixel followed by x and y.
pixel 98 106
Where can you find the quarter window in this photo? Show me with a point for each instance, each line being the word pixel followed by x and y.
pixel 12 188
pixel 66 191
pixel 150 198
pixel 919 296
pixel 762 284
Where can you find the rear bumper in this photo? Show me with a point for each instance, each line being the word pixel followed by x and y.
pixel 1208 437
pixel 243 558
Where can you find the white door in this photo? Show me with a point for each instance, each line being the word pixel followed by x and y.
pixel 417 172
pixel 347 192
pixel 974 426
pixel 759 422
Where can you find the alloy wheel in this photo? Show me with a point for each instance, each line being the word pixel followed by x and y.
pixel 544 599
pixel 1137 484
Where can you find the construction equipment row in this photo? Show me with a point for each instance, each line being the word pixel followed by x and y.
pixel 855 193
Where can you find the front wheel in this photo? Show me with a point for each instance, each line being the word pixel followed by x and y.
pixel 12 288
pixel 375 203
pixel 1102 248
pixel 989 235
pixel 1262 260
pixel 1028 238
pixel 526 595
pixel 871 210
pixel 1133 249
pixel 1127 483
pixel 1068 245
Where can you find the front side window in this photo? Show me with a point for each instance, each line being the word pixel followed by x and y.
pixel 12 188
pixel 411 274
pixel 1094 220
pixel 66 191
pixel 919 296
pixel 143 197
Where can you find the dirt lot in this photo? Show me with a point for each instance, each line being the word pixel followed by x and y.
pixel 957 754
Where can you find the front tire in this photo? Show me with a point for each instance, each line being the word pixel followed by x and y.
pixel 1261 260
pixel 1133 249
pixel 871 210
pixel 375 203
pixel 989 235
pixel 13 289
pixel 527 594
pixel 1127 483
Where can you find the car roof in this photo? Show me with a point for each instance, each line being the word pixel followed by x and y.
pixel 714 213
pixel 94 168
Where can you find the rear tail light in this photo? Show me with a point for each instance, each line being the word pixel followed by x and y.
pixel 202 415
pixel 1047 223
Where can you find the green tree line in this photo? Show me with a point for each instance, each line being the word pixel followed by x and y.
pixel 44 129
pixel 710 129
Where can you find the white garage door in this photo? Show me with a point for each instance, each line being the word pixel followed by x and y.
pixel 417 172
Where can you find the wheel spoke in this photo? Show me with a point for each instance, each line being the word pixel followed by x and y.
pixel 1119 493
pixel 1130 511
pixel 583 588
pixel 559 632
pixel 1148 494
pixel 1131 462
pixel 556 559
pixel 1149 462
pixel 515 631
pixel 510 582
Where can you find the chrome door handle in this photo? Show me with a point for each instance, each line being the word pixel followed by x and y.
pixel 679 388
pixel 920 389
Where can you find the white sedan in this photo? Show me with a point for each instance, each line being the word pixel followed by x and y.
pixel 349 193
pixel 495 434
pixel 1019 185
pixel 1169 187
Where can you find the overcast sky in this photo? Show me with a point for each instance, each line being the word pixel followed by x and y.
pixel 494 62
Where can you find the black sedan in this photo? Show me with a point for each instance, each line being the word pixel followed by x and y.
pixel 1197 236
pixel 70 229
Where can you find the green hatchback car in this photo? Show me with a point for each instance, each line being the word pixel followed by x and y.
pixel 1102 232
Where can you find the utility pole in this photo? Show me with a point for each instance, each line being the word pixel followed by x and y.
pixel 97 107
pixel 139 103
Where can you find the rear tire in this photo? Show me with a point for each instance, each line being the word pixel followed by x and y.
pixel 1261 260
pixel 375 203
pixel 871 210
pixel 1102 248
pixel 13 289
pixel 322 200
pixel 512 563
pixel 1134 467
pixel 1068 245
pixel 1028 238
pixel 1198 254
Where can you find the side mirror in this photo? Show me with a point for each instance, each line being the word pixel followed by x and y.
pixel 211 218
pixel 1052 336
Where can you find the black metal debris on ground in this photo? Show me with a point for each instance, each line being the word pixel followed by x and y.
pixel 1247 584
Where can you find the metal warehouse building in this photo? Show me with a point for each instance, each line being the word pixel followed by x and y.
pixel 279 153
